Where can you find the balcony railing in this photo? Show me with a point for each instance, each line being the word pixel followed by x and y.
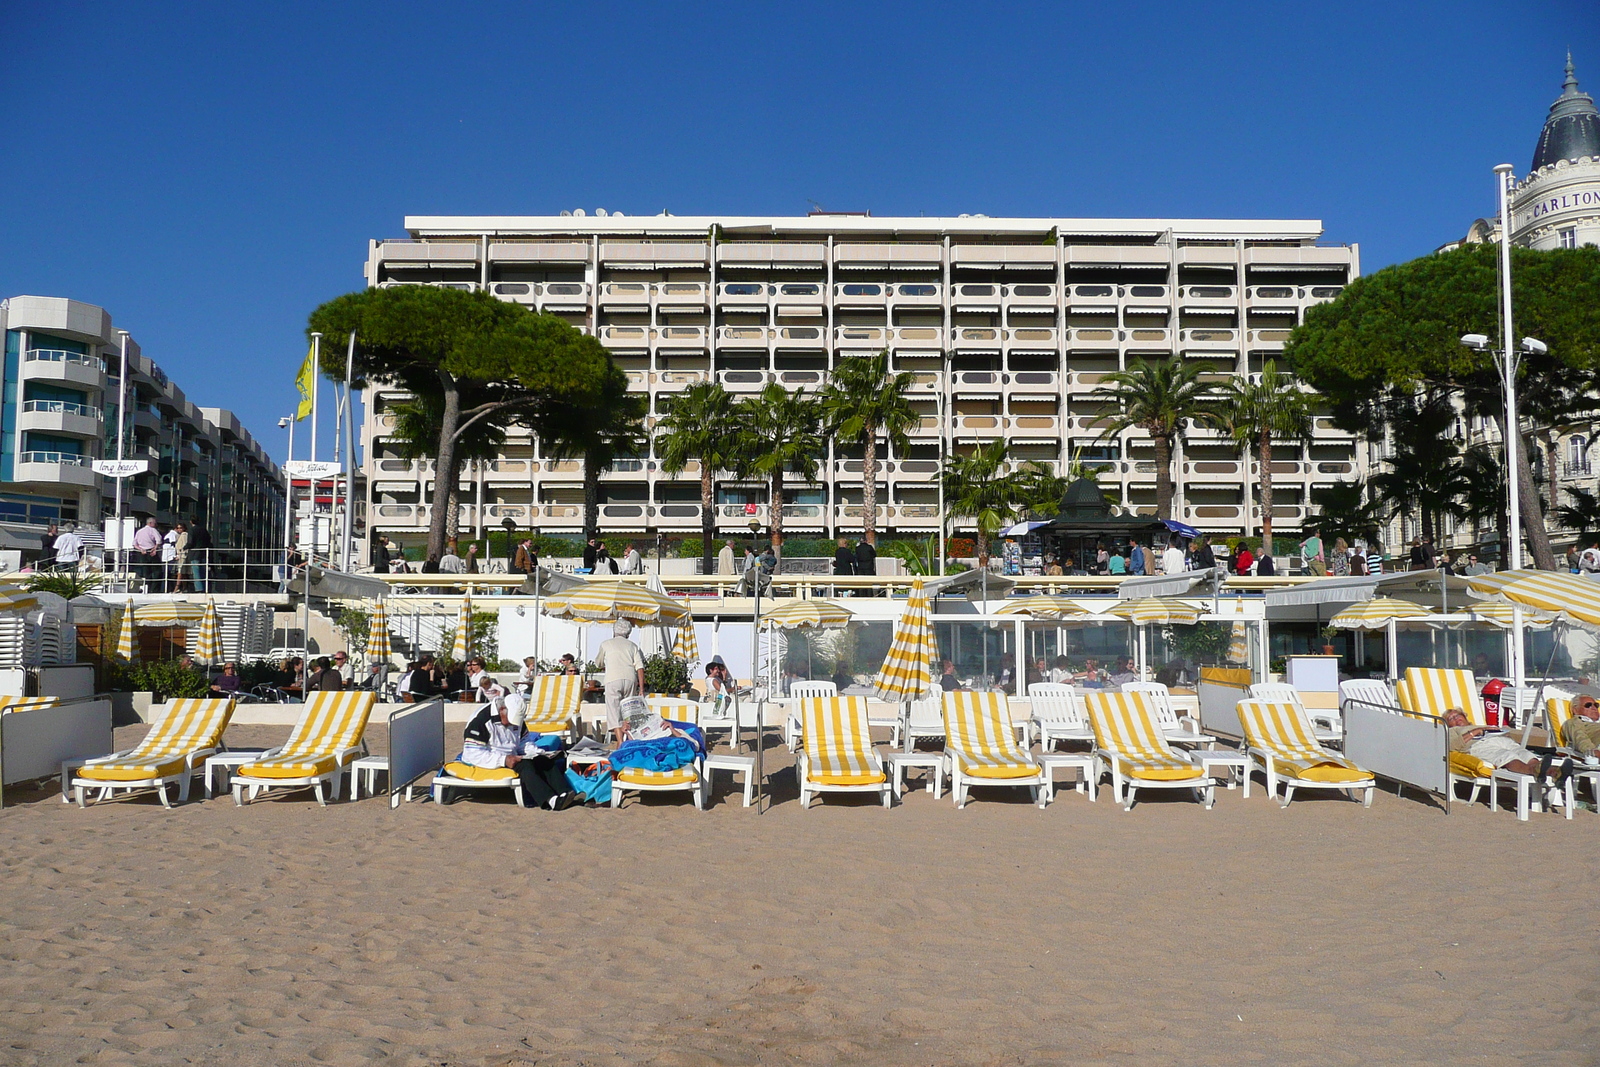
pixel 915 293
pixel 1032 337
pixel 680 336
pixel 977 337
pixel 67 459
pixel 625 293
pixel 918 337
pixel 744 336
pixel 1207 295
pixel 858 293
pixel 63 407
pixel 743 381
pixel 681 293
pixel 743 293
pixel 1031 293
pixel 1034 381
pixel 876 336
pixel 800 336
pixel 61 355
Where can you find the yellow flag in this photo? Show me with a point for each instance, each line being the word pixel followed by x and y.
pixel 305 381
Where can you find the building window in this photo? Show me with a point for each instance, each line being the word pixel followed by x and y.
pixel 1578 454
pixel 1569 237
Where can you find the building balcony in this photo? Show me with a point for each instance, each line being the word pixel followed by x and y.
pixel 979 425
pixel 679 379
pixel 563 296
pixel 1334 468
pixel 60 468
pixel 508 470
pixel 800 379
pixel 1210 471
pixel 1040 382
pixel 1325 429
pixel 744 336
pixel 871 339
pixel 859 294
pixel 1034 426
pixel 1284 297
pixel 977 383
pixel 975 296
pixel 515 292
pixel 1086 381
pixel 1148 340
pixel 57 416
pixel 617 296
pixel 630 338
pixel 743 381
pixel 1321 294
pixel 682 296
pixel 692 337
pixel 1154 297
pixel 1209 341
pixel 1094 339
pixel 1030 294
pixel 811 337
pixel 54 364
pixel 1208 296
pixel 917 338
pixel 800 296
pixel 1092 298
pixel 1032 339
pixel 916 294
pixel 744 294
pixel 976 339
pixel 1268 340
pixel 1215 516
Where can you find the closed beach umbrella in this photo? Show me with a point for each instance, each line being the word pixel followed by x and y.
pixel 125 635
pixel 609 601
pixel 378 634
pixel 208 645
pixel 1043 607
pixel 463 641
pixel 907 670
pixel 171 613
pixel 687 645
pixel 1377 613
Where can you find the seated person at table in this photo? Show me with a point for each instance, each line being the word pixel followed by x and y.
pixel 1090 678
pixel 719 684
pixel 947 678
pixel 1124 672
pixel 489 690
pixel 568 664
pixel 1497 750
pixel 227 683
pixel 529 671
pixel 477 670
pixel 1582 731
pixel 1062 672
pixel 494 738
pixel 427 680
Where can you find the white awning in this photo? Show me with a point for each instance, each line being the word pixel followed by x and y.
pixel 1165 584
pixel 1430 588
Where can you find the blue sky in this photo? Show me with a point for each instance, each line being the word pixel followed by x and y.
pixel 210 173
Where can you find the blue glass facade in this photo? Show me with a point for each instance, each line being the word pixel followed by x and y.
pixel 8 406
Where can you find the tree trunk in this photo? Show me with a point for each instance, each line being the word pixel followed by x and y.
pixel 1264 458
pixel 452 510
pixel 1547 437
pixel 1164 488
pixel 446 468
pixel 591 497
pixel 1532 513
pixel 708 522
pixel 776 508
pixel 983 548
pixel 869 488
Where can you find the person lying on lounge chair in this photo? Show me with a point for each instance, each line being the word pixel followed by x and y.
pixel 1497 749
pixel 1582 732
pixel 494 738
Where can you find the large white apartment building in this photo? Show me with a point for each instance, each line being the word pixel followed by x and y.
pixel 59 414
pixel 1008 324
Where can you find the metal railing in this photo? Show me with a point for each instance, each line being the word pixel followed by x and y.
pixel 210 570
pixel 71 459
pixel 61 355
pixel 62 407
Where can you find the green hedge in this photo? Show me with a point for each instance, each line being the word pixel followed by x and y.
pixel 162 676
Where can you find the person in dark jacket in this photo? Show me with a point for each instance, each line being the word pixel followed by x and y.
pixel 591 552
pixel 380 554
pixel 844 560
pixel 866 558
pixel 1265 568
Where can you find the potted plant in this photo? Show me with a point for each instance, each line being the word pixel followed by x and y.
pixel 1328 634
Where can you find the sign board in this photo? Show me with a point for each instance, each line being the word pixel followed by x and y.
pixel 120 537
pixel 416 746
pixel 120 468
pixel 310 468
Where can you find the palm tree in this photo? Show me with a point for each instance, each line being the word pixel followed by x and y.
pixel 780 433
pixel 699 425
pixel 1256 413
pixel 864 398
pixel 1158 398
pixel 1486 498
pixel 599 435
pixel 976 485
pixel 1424 474
pixel 1345 510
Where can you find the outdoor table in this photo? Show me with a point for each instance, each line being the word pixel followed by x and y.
pixel 1086 763
pixel 934 761
pixel 727 761
pixel 222 763
pixel 1235 759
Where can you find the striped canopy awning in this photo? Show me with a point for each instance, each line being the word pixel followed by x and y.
pixel 1157 611
pixel 171 613
pixel 207 644
pixel 907 670
pixel 1043 607
pixel 15 598
pixel 1563 595
pixel 378 634
pixel 1377 613
pixel 609 601
pixel 808 615
pixel 1503 615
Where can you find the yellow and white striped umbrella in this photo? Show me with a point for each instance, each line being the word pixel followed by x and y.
pixel 609 601
pixel 1377 613
pixel 208 643
pixel 171 613
pixel 1157 611
pixel 807 615
pixel 125 634
pixel 15 598
pixel 1239 644
pixel 378 634
pixel 1503 615
pixel 463 641
pixel 1559 593
pixel 1043 607
pixel 907 670
pixel 687 646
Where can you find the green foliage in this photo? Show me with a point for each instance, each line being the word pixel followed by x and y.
pixel 977 486
pixel 1424 475
pixel 1205 643
pixel 161 676
pixel 67 584
pixel 1345 510
pixel 918 557
pixel 1583 514
pixel 698 425
pixel 779 433
pixel 355 624
pixel 862 400
pixel 1255 414
pixel 1160 398
pixel 664 673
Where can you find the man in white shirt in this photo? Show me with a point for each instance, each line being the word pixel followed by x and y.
pixel 632 563
pixel 450 563
pixel 1172 560
pixel 69 549
pixel 623 665
pixel 725 560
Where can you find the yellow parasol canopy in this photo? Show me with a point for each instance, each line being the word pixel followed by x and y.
pixel 1043 607
pixel 1377 613
pixel 1557 593
pixel 808 615
pixel 687 645
pixel 463 641
pixel 907 670
pixel 378 634
pixel 208 644
pixel 1503 615
pixel 608 601
pixel 125 633
pixel 15 598
pixel 1155 610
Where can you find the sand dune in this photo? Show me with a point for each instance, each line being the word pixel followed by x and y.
pixel 484 934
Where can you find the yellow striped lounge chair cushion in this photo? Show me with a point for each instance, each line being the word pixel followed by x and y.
pixel 1467 765
pixel 1125 723
pixel 553 702
pixel 1557 713
pixel 640 776
pixel 468 773
pixel 838 741
pixel 1435 691
pixel 979 736
pixel 1402 696
pixel 330 723
pixel 190 725
pixel 27 703
pixel 676 710
pixel 1283 730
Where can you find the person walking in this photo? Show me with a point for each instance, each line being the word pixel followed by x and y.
pixel 68 549
pixel 866 558
pixel 199 554
pixel 47 549
pixel 591 553
pixel 526 559
pixel 623 667
pixel 180 555
pixel 633 562
pixel 169 553
pixel 378 555
pixel 844 560
pixel 1138 560
pixel 1312 560
pixel 726 560
pixel 1204 557
pixel 1339 562
pixel 1172 560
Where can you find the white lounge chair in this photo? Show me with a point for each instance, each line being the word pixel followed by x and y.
pixel 1131 742
pixel 322 744
pixel 1058 715
pixel 1279 739
pixel 837 755
pixel 1179 730
pixel 981 746
pixel 1328 725
pixel 793 728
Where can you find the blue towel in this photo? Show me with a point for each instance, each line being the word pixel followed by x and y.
pixel 697 736
pixel 666 754
pixel 595 787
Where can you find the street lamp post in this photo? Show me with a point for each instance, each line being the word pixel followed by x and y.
pixel 288 499
pixel 121 558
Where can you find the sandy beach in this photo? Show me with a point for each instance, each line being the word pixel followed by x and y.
pixel 483 934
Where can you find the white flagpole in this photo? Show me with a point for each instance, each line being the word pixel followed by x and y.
pixel 316 372
pixel 350 451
